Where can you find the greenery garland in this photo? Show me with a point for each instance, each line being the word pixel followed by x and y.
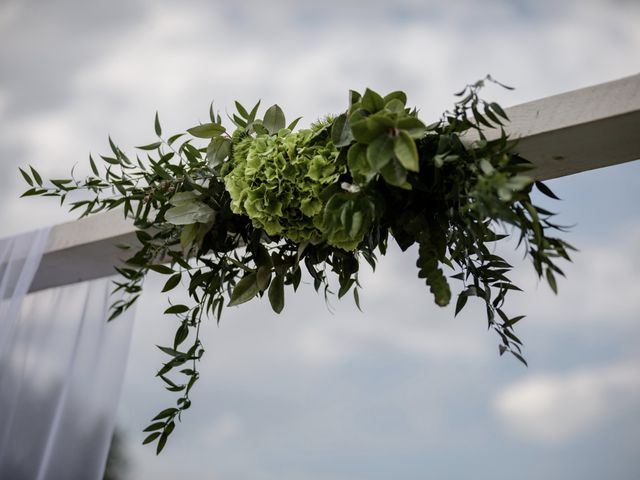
pixel 242 214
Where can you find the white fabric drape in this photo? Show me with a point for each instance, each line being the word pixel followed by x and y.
pixel 61 370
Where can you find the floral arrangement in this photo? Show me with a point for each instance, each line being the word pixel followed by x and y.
pixel 240 214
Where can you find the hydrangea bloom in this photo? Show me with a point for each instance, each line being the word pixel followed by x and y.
pixel 277 181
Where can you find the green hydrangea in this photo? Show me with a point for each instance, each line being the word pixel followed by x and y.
pixel 277 180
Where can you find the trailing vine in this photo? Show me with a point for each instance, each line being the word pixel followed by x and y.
pixel 240 214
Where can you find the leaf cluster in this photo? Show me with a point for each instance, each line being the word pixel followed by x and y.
pixel 235 215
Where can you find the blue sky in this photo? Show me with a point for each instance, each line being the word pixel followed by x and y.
pixel 401 390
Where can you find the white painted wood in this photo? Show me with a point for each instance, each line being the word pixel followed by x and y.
pixel 84 249
pixel 564 134
pixel 577 131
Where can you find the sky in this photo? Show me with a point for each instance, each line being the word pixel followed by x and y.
pixel 403 389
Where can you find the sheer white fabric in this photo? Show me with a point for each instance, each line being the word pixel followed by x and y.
pixel 61 370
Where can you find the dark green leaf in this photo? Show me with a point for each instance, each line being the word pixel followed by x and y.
pixel 546 190
pixel 167 412
pixel 276 294
pixel 151 146
pixel 36 176
pixel 173 281
pixel 26 177
pixel 163 269
pixel 174 309
pixel 151 438
pixel 462 301
pixel 156 125
pixel 245 290
pixel 154 426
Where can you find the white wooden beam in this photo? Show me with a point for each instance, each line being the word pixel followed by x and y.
pixel 564 134
pixel 581 130
pixel 84 249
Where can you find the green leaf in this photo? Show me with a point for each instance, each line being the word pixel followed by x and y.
pixel 162 269
pixel 167 412
pixel 188 213
pixel 151 438
pixel 36 176
pixel 156 125
pixel 176 309
pixel 26 177
pixel 242 111
pixel 341 135
pixel 94 169
pixel 263 277
pixel 274 119
pixel 162 442
pixel 293 124
pixel 188 235
pixel 181 335
pixel 395 174
pixel 406 151
pixel 397 95
pixel 218 150
pixel 154 426
pixel 151 146
pixel 413 126
pixel 498 109
pixel 551 280
pixel 380 152
pixel 546 190
pixel 372 101
pixel 358 164
pixel 462 301
pixel 173 281
pixel 245 290
pixel 276 294
pixel 207 130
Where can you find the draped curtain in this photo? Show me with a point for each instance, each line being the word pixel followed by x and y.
pixel 61 370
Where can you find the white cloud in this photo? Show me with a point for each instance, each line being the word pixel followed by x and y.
pixel 558 408
pixel 601 286
pixel 224 427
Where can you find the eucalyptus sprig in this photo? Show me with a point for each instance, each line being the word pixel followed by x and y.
pixel 238 214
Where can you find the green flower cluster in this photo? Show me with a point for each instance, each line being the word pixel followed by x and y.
pixel 277 181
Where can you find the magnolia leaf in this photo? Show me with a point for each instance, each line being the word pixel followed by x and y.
pixel 188 235
pixel 181 198
pixel 274 119
pixel 190 212
pixel 395 174
pixel 413 126
pixel 341 135
pixel 406 152
pixel 218 150
pixel 372 101
pixel 396 96
pixel 380 152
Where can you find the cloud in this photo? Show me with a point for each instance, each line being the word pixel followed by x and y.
pixel 559 407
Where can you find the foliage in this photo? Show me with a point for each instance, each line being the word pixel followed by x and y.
pixel 240 215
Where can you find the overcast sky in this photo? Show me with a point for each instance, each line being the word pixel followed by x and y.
pixel 402 390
